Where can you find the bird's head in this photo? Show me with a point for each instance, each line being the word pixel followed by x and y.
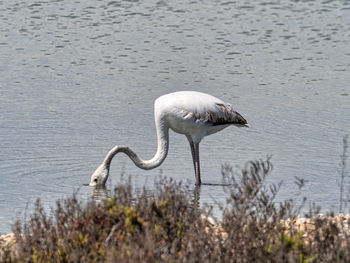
pixel 99 177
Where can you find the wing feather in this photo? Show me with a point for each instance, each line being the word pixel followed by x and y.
pixel 221 114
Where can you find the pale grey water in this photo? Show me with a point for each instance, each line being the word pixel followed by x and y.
pixel 78 77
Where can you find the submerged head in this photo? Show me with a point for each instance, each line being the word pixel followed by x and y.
pixel 99 177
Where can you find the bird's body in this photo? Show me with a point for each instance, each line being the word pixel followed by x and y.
pixel 194 113
pixel 191 113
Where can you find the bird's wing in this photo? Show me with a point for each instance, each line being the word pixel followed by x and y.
pixel 220 114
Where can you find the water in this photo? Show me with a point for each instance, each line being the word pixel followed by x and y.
pixel 78 77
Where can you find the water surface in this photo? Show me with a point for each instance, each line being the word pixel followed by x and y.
pixel 78 77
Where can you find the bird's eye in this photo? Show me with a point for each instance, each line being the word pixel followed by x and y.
pixel 95 180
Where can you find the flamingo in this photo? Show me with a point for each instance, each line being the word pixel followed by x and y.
pixel 191 113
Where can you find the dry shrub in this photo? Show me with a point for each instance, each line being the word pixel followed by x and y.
pixel 165 226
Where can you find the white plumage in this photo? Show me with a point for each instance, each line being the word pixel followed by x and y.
pixel 191 113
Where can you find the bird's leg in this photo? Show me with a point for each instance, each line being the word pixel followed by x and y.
pixel 192 151
pixel 196 164
pixel 195 158
pixel 193 155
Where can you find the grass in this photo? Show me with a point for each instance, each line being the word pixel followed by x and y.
pixel 165 226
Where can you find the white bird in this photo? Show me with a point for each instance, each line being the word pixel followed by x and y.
pixel 191 113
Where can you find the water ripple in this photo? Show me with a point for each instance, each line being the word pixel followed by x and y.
pixel 79 77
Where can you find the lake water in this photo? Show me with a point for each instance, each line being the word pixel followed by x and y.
pixel 78 77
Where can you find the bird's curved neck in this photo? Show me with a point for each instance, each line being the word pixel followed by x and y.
pixel 158 158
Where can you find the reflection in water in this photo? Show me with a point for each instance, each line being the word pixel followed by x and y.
pixel 99 193
pixel 196 197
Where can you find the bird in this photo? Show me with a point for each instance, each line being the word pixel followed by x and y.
pixel 192 113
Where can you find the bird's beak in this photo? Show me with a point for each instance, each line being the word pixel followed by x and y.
pixel 247 125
